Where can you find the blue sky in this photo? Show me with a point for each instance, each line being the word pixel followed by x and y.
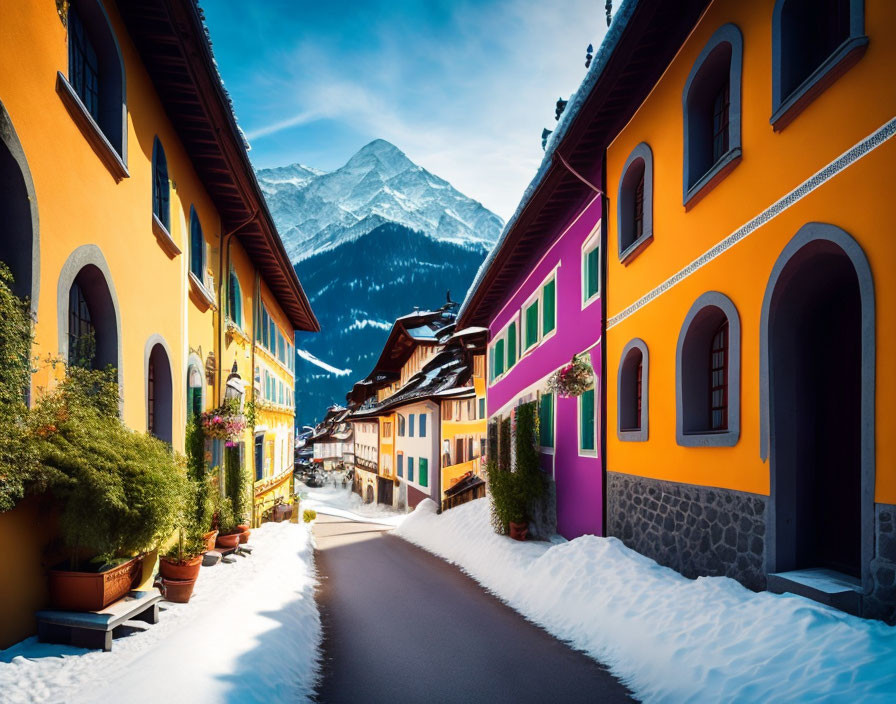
pixel 463 87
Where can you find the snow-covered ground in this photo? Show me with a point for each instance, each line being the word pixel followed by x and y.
pixel 670 639
pixel 251 633
pixel 343 502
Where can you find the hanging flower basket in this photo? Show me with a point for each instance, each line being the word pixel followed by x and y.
pixel 225 424
pixel 574 379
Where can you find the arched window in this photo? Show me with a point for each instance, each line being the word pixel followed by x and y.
pixel 19 246
pixel 197 247
pixel 158 391
pixel 234 298
pixel 81 333
pixel 96 71
pixel 88 321
pixel 711 103
pixel 813 43
pixel 708 374
pixel 160 186
pixel 401 425
pixel 631 401
pixel 635 203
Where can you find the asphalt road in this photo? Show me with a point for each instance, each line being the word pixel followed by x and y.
pixel 401 625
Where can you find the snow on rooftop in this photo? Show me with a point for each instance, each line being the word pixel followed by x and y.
pixel 308 357
pixel 573 107
pixel 668 638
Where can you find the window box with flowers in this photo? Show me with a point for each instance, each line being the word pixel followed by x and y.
pixel 574 379
pixel 225 423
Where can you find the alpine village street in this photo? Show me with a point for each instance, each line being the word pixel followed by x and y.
pixel 447 351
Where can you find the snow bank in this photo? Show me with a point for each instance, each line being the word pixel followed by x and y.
pixel 336 501
pixel 251 633
pixel 670 639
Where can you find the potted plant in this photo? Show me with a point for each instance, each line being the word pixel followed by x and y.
pixel 120 492
pixel 184 558
pixel 574 379
pixel 228 533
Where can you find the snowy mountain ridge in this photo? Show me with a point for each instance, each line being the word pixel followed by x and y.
pixel 316 211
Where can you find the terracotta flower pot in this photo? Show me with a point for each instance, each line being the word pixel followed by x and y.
pixel 210 538
pixel 244 532
pixel 178 590
pixel 172 569
pixel 93 591
pixel 519 531
pixel 228 542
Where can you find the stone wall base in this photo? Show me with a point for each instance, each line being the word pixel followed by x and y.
pixel 695 530
pixel 706 531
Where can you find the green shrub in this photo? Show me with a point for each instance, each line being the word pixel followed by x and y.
pixel 236 482
pixel 514 493
pixel 18 458
pixel 122 492
pixel 203 485
pixel 309 515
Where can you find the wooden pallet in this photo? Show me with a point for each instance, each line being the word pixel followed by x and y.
pixel 95 629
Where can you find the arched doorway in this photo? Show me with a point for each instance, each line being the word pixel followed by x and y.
pixel 368 497
pixel 18 214
pixel 817 359
pixel 158 392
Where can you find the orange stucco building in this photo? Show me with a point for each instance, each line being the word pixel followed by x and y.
pixel 128 200
pixel 748 288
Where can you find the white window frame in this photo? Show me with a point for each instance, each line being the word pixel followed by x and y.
pixel 539 294
pixel 589 245
pixel 502 335
pixel 585 453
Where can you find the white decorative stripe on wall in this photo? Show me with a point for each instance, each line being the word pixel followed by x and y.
pixel 835 167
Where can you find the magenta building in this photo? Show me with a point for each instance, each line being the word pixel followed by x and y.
pixel 540 298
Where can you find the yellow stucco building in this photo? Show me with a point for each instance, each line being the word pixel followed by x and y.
pixel 133 222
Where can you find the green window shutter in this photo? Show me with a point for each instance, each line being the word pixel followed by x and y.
pixel 482 408
pixel 491 364
pixel 511 345
pixel 586 420
pixel 499 357
pixel 549 312
pixel 592 270
pixel 423 472
pixel 546 421
pixel 532 324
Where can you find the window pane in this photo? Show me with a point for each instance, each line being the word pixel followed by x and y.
pixel 546 421
pixel 410 469
pixel 549 312
pixel 592 262
pixel 586 420
pixel 499 357
pixel 511 345
pixel 482 408
pixel 410 425
pixel 532 324
pixel 423 472
pixel 401 465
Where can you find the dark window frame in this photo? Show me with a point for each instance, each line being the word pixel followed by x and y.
pixel 161 188
pixel 635 391
pixel 790 101
pixel 693 373
pixel 703 168
pixel 637 171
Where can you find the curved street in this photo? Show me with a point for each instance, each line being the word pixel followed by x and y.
pixel 402 625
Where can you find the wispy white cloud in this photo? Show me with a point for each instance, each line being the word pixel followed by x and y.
pixel 466 98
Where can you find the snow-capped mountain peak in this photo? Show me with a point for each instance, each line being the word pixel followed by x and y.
pixel 316 211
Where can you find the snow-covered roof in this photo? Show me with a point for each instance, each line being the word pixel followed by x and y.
pixel 573 108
